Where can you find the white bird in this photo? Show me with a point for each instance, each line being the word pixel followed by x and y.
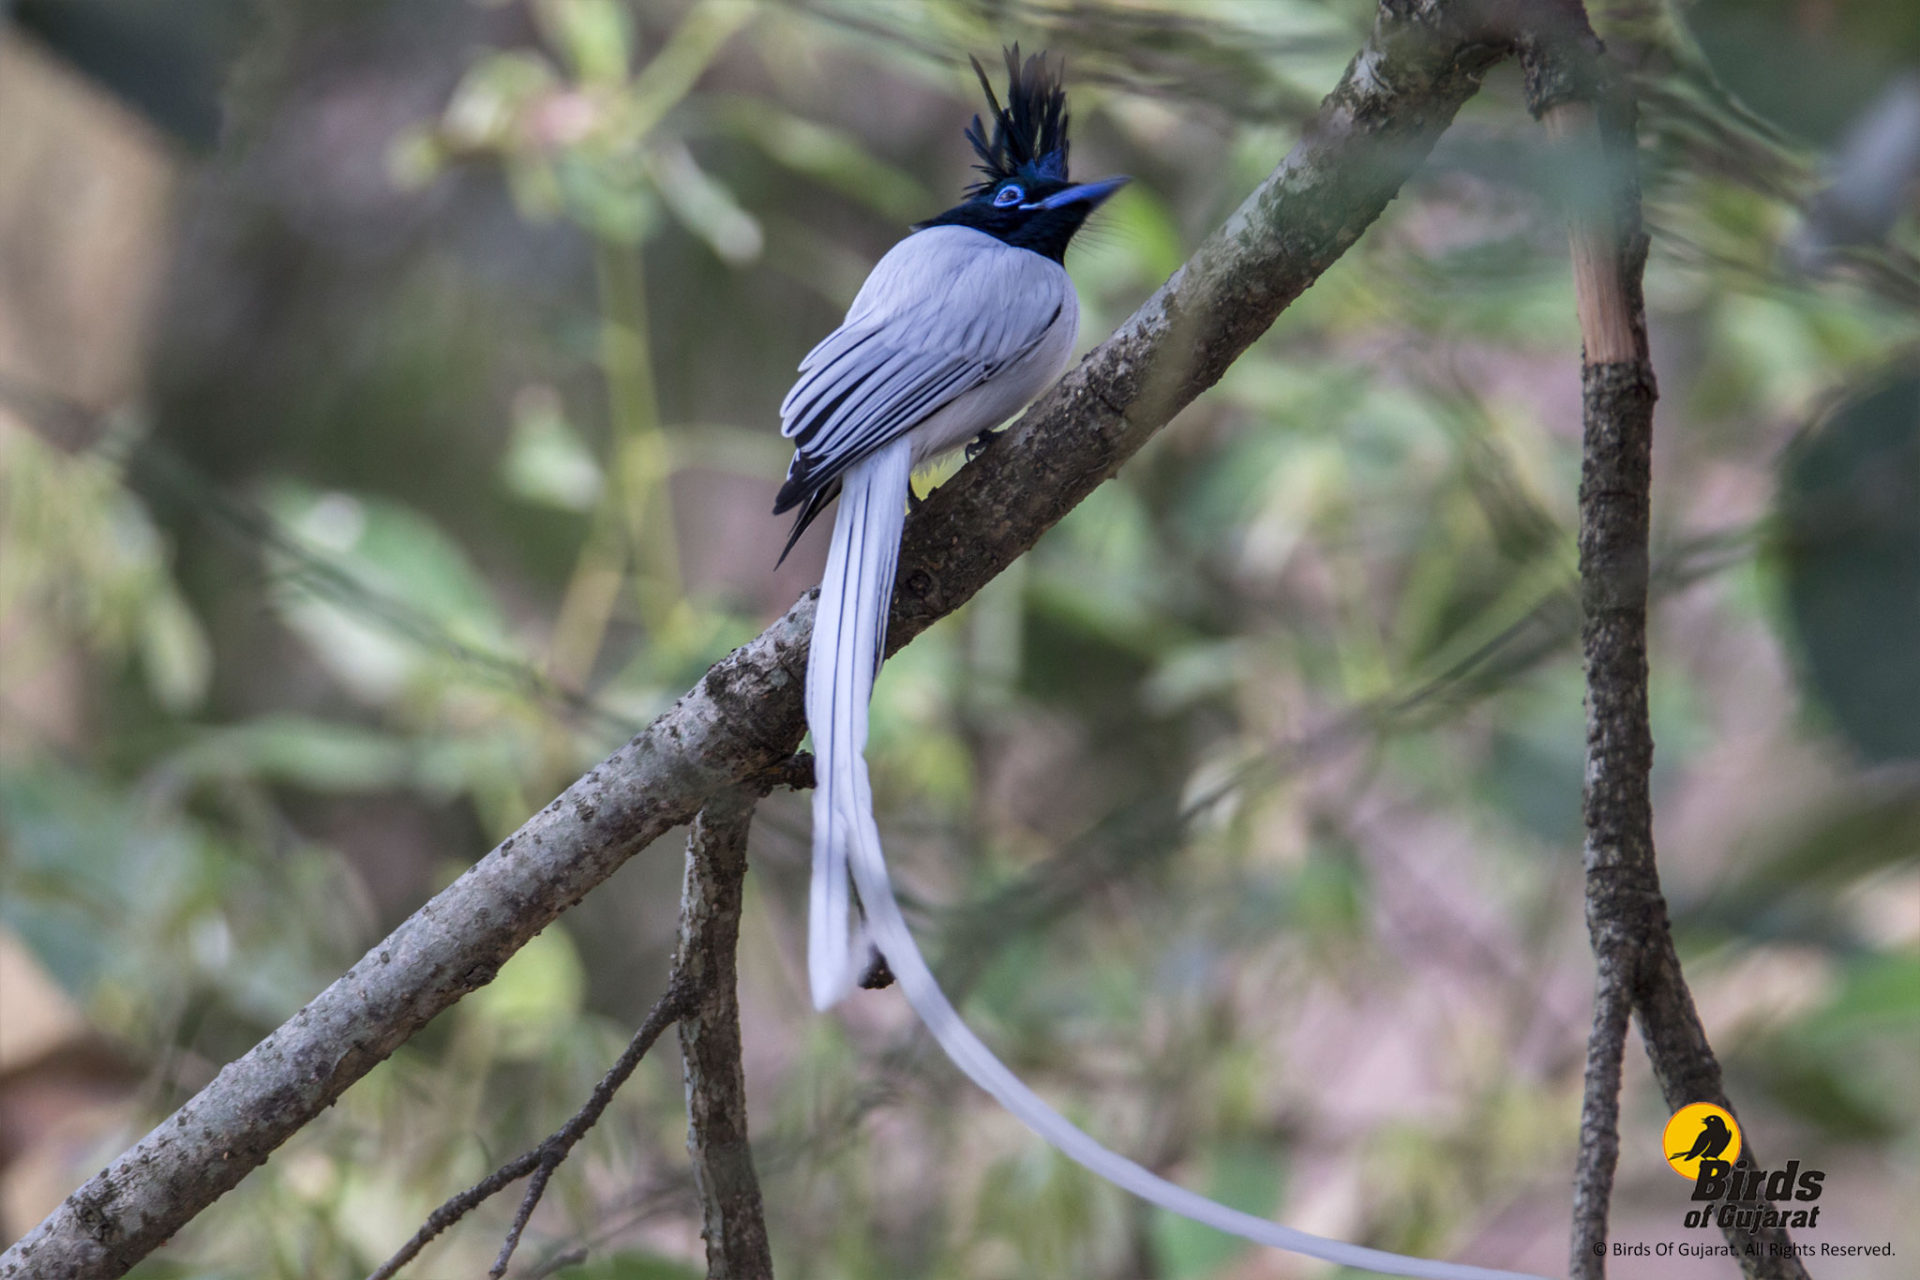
pixel 958 327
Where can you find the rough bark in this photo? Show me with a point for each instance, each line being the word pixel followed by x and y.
pixel 1623 902
pixel 733 1222
pixel 1422 59
pixel 1637 970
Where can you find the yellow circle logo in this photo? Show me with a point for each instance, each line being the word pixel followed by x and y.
pixel 1699 1131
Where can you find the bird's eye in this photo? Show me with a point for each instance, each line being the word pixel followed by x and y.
pixel 1008 195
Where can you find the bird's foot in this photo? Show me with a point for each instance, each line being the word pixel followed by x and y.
pixel 980 444
pixel 877 975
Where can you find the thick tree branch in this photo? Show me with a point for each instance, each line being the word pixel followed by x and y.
pixel 1637 968
pixel 1422 59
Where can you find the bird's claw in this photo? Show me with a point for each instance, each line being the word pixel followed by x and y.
pixel 877 975
pixel 980 443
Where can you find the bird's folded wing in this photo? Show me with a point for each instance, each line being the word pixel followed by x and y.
pixel 941 313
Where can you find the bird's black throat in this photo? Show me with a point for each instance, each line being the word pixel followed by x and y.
pixel 1046 232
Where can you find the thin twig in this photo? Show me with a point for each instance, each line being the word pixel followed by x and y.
pixel 543 1159
pixel 536 1188
pixel 733 1219
pixel 1599 1154
pixel 700 997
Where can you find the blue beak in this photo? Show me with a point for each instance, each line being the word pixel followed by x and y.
pixel 1088 193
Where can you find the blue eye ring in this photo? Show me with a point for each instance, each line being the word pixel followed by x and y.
pixel 1008 195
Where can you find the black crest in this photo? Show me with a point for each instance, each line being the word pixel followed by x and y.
pixel 1030 132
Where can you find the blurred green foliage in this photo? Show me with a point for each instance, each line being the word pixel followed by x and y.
pixel 1851 545
pixel 1243 813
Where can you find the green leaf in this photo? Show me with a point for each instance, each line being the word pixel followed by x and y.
pixel 174 651
pixel 319 755
pixel 546 462
pixel 383 589
pixel 705 206
pixel 486 106
pixel 611 198
pixel 595 35
pixel 1850 514
pixel 829 156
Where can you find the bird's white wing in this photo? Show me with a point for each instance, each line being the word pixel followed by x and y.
pixel 942 312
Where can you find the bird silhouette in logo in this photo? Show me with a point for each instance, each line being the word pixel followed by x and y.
pixel 1713 1139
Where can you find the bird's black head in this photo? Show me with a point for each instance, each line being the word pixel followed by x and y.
pixel 1026 198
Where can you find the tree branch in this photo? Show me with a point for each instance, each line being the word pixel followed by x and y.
pixel 542 1160
pixel 700 998
pixel 1422 59
pixel 733 1221
pixel 1637 969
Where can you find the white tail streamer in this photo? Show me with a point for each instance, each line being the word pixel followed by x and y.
pixel 849 634
pixel 849 637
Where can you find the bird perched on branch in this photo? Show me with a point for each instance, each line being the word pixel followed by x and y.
pixel 959 326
